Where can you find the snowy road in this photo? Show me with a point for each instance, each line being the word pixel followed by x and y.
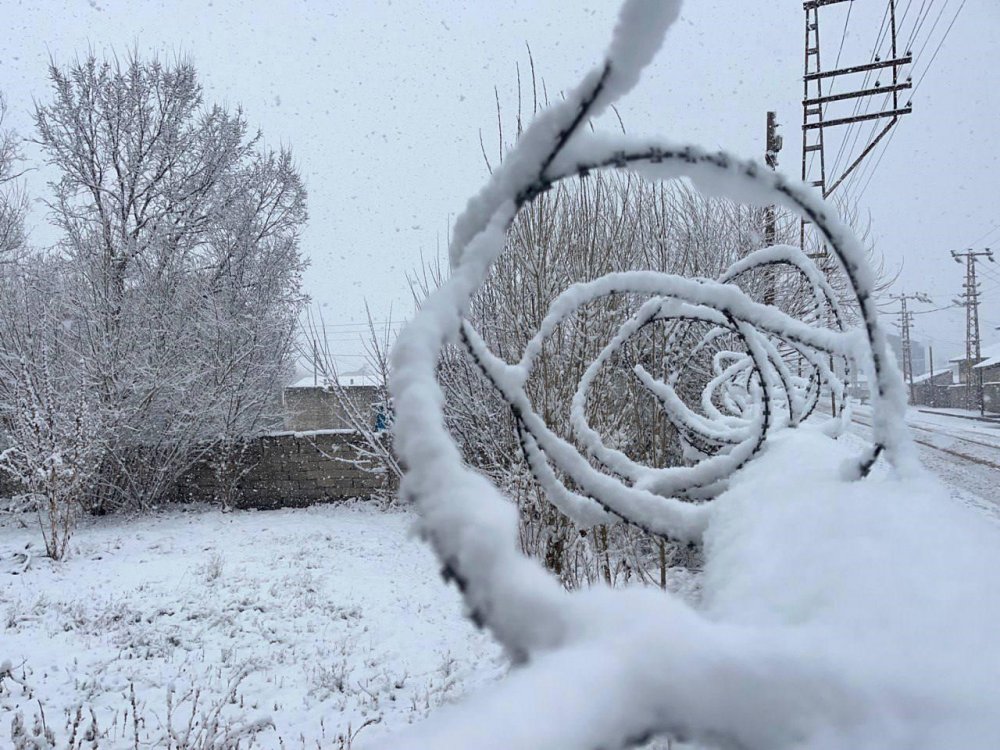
pixel 964 452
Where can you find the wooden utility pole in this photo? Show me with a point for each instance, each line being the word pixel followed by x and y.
pixel 905 321
pixel 973 341
pixel 815 102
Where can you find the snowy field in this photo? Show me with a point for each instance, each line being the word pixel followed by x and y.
pixel 315 623
pixel 333 617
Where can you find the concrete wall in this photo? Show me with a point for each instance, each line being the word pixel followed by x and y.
pixel 934 391
pixel 291 470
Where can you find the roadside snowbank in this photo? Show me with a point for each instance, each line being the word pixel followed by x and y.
pixel 889 581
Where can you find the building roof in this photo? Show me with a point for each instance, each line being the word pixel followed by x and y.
pixel 991 357
pixel 353 379
pixel 927 375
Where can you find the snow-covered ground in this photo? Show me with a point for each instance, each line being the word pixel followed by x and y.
pixel 835 613
pixel 335 616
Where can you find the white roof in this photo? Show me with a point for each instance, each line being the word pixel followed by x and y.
pixel 991 357
pixel 927 376
pixel 360 377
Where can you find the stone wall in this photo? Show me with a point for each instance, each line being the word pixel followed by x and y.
pixel 957 396
pixel 321 409
pixel 291 470
pixel 991 398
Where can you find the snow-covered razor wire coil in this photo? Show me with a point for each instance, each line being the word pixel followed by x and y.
pixel 767 370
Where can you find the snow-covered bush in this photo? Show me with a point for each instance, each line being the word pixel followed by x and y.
pixel 190 721
pixel 175 287
pixel 80 733
pixel 55 447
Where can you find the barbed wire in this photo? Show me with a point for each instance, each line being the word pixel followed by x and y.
pixel 746 347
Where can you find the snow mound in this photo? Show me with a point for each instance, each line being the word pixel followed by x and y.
pixel 835 614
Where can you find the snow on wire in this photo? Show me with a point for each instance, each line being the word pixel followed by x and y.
pixel 471 527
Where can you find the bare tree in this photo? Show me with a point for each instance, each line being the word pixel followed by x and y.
pixel 179 267
pixel 13 201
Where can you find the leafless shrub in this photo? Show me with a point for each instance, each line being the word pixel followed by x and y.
pixel 370 418
pixel 55 449
pixel 192 722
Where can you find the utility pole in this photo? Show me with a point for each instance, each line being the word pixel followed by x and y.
pixel 931 393
pixel 772 148
pixel 815 102
pixel 905 321
pixel 973 341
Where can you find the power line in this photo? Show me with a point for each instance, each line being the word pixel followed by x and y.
pixel 815 103
pixel 935 310
pixel 871 167
pixel 869 172
pixel 863 107
pixel 940 44
pixel 851 128
pixel 988 232
pixel 878 161
pixel 973 338
pixel 930 34
pixel 868 166
pixel 905 322
pixel 919 25
pixel 885 146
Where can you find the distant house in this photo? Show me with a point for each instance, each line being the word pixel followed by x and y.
pixel 858 387
pixel 313 403
pixel 918 352
pixel 989 365
pixel 932 389
pixel 969 371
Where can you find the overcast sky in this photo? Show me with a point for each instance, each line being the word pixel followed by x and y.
pixel 382 103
